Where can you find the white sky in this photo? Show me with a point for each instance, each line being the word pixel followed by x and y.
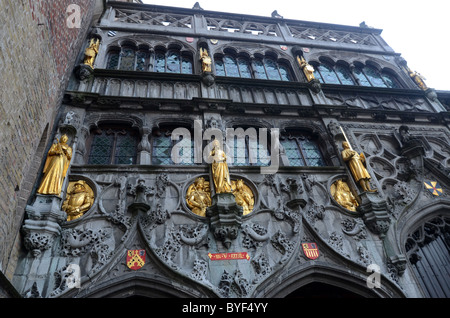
pixel 418 30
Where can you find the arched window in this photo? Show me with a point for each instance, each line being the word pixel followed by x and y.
pixel 428 251
pixel 129 58
pixel 344 75
pixel 162 146
pixel 113 145
pixel 113 59
pixel 268 68
pixel 233 67
pixel 370 76
pixel 261 68
pixel 173 61
pixel 302 149
pixel 339 74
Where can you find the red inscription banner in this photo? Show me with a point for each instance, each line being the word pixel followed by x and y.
pixel 228 256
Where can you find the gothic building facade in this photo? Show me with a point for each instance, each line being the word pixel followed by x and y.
pixel 329 173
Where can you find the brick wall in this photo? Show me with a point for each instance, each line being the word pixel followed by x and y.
pixel 37 54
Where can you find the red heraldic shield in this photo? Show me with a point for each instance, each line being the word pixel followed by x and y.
pixel 311 250
pixel 135 259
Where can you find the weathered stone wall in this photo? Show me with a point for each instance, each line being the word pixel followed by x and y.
pixel 37 54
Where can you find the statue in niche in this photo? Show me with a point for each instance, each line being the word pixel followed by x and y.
pixel 356 163
pixel 307 68
pixel 80 198
pixel 342 194
pixel 55 168
pixel 244 196
pixel 198 196
pixel 91 52
pixel 219 168
pixel 417 78
pixel 206 60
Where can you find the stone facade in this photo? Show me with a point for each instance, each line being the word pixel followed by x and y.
pixel 401 129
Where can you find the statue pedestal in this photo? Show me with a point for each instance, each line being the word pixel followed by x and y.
pixel 43 224
pixel 374 213
pixel 225 217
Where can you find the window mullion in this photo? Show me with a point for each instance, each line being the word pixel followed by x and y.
pixel 299 144
pixel 113 150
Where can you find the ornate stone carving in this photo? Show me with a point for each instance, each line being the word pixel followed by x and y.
pixel 43 224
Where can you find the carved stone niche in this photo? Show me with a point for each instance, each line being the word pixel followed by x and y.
pixel 225 217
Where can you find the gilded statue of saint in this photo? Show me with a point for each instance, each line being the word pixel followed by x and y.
pixel 198 196
pixel 356 164
pixel 418 79
pixel 219 168
pixel 307 68
pixel 79 199
pixel 91 52
pixel 206 60
pixel 244 196
pixel 342 194
pixel 55 168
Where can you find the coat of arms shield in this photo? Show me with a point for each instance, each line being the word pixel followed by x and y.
pixel 135 259
pixel 311 250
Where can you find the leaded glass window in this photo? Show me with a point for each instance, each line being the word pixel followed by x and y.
pixel 160 62
pixel 302 150
pixel 244 68
pixel 260 68
pixel 390 80
pixel 361 77
pixel 374 76
pixel 272 69
pixel 113 145
pixel 163 145
pixel 248 151
pixel 328 74
pixel 344 75
pixel 127 59
pixel 141 61
pixel 370 76
pixel 186 65
pixel 284 72
pixel 231 68
pixel 172 62
pixel 220 68
pixel 113 60
pixel 338 74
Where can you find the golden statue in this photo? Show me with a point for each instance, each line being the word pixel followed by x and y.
pixel 91 52
pixel 206 60
pixel 244 196
pixel 342 194
pixel 198 196
pixel 417 78
pixel 219 168
pixel 55 168
pixel 356 164
pixel 307 68
pixel 79 199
